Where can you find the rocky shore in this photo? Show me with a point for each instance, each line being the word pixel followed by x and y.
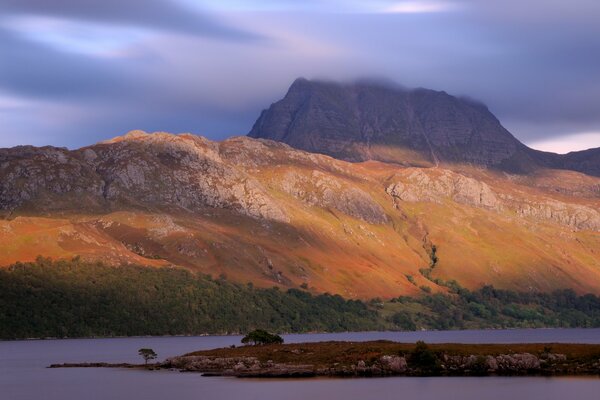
pixel 387 365
pixel 382 358
pixel 346 359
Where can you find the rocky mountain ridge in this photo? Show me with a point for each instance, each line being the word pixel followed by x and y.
pixel 260 211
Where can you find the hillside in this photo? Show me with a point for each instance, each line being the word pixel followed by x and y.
pixel 253 210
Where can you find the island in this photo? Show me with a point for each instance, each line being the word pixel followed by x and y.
pixel 382 358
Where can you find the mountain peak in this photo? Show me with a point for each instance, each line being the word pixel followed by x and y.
pixel 376 120
pixel 373 119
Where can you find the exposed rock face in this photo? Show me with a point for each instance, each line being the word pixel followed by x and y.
pixel 573 215
pixel 138 169
pixel 40 174
pixel 416 185
pixel 376 121
pixel 184 171
pixel 319 189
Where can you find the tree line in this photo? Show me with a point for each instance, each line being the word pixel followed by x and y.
pixel 74 298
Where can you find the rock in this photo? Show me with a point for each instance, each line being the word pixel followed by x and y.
pixel 325 191
pixel 436 186
pixel 394 364
pixel 517 362
pixel 161 170
pixel 578 217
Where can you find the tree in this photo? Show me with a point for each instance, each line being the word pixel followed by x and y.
pixel 147 354
pixel 260 336
pixel 424 359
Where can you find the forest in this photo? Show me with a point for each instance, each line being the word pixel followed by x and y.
pixel 74 298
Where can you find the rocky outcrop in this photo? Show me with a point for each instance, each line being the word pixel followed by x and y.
pixel 325 191
pixel 185 171
pixel 437 186
pixel 578 217
pixel 139 169
pixel 38 177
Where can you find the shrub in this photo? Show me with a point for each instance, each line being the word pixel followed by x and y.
pixel 260 336
pixel 424 360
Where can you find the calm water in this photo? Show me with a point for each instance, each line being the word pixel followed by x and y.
pixel 23 374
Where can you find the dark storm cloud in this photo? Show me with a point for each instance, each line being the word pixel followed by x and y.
pixel 149 14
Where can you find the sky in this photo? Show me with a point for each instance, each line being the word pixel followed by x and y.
pixel 75 72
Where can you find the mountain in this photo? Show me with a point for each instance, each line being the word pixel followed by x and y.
pixel 420 127
pixel 260 211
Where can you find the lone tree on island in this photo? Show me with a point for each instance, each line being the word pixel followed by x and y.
pixel 147 354
pixel 260 336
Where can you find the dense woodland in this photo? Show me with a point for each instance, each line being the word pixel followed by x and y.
pixel 76 299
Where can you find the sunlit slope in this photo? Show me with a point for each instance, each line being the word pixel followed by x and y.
pixel 261 212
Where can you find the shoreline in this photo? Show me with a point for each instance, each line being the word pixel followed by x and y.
pixel 380 359
pixel 199 335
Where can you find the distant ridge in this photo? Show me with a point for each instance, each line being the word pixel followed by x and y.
pixel 373 120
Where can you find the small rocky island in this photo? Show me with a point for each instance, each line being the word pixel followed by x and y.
pixel 383 358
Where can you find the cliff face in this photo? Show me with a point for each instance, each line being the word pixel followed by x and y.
pixel 260 211
pixel 371 121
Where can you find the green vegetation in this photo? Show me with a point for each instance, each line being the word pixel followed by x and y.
pixel 423 359
pixel 260 336
pixel 147 354
pixel 77 299
pixel 493 308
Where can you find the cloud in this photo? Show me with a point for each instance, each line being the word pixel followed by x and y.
pixel 103 68
pixel 28 68
pixel 419 7
pixel 164 15
pixel 568 143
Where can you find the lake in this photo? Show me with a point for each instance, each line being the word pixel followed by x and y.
pixel 23 375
